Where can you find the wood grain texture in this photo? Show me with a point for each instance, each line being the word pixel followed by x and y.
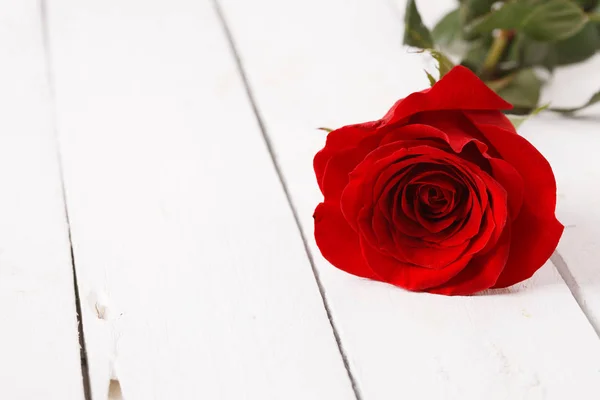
pixel 39 347
pixel 335 62
pixel 571 145
pixel 193 273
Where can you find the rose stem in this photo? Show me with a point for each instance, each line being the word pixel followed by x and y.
pixel 495 53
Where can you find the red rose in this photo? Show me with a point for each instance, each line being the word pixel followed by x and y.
pixel 440 195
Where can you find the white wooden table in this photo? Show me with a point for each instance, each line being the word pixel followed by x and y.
pixel 155 166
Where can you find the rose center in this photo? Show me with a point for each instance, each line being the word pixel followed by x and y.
pixel 433 198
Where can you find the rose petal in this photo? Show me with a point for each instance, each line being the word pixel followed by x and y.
pixel 471 225
pixel 338 243
pixel 508 177
pixel 409 276
pixel 481 273
pixel 489 234
pixel 406 246
pixel 335 178
pixel 344 138
pixel 458 216
pixel 498 208
pixel 459 89
pixel 438 177
pixel 404 206
pixel 538 179
pixel 426 255
pixel 533 242
pixel 358 192
pixel 536 231
pixel 458 129
pixel 414 132
pixel 490 117
pixel 391 194
pixel 433 226
pixel 382 229
pixel 391 176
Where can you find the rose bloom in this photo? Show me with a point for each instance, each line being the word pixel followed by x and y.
pixel 440 195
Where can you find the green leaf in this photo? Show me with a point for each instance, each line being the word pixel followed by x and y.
pixel 447 35
pixel 578 47
pixel 517 120
pixel 509 16
pixel 515 49
pixel 444 63
pixel 587 4
pixel 498 84
pixel 546 21
pixel 416 33
pixel 447 30
pixel 538 54
pixel 594 99
pixel 525 52
pixel 555 20
pixel 430 77
pixel 325 129
pixel 471 9
pixel 477 53
pixel 523 91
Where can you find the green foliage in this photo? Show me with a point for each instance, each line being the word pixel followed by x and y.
pixel 593 100
pixel 587 5
pixel 578 47
pixel 447 31
pixel 509 16
pixel 550 20
pixel 517 120
pixel 444 64
pixel 505 41
pixel 325 129
pixel 416 33
pixel 523 90
pixel 477 53
pixel 471 9
pixel 554 20
pixel 430 78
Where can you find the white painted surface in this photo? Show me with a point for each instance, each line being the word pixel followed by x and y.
pixel 572 146
pixel 194 280
pixel 39 348
pixel 334 62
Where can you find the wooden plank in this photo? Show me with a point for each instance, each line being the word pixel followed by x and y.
pixel 572 145
pixel 197 279
pixel 39 347
pixel 334 62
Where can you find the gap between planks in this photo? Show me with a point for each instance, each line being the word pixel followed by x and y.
pixel 284 186
pixel 85 373
pixel 563 269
